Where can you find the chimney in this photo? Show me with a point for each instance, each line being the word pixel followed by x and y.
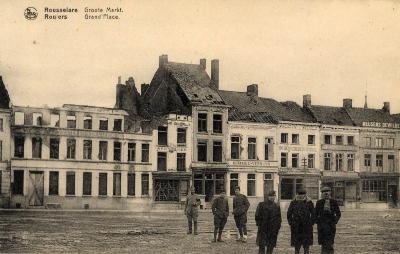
pixel 143 88
pixel 119 79
pixel 215 73
pixel 163 59
pixel 347 103
pixel 252 90
pixel 203 62
pixel 386 107
pixel 130 82
pixel 119 95
pixel 306 100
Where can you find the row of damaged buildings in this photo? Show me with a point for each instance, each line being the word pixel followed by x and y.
pixel 183 131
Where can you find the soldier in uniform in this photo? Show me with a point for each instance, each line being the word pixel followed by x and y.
pixel 192 210
pixel 301 218
pixel 327 216
pixel 220 209
pixel 268 220
pixel 240 206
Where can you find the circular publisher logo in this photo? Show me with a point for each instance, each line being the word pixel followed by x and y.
pixel 30 13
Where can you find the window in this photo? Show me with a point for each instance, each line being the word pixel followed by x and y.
pixel 327 139
pixel 162 136
pixel 368 142
pixel 311 139
pixel 131 184
pixel 295 160
pixel 71 145
pixel 234 183
pixel 181 161
pixel 117 125
pixel 145 184
pixel 268 184
pixel 287 188
pixel 391 165
pixel 1 180
pixel 295 138
pixel 19 118
pixel 374 190
pixel 54 148
pixel 284 138
pixel 217 151
pixel 18 183
pixel 390 142
pixel 378 142
pixel 161 161
pixel 235 147
pixel 71 121
pixel 19 146
pixel 36 147
pixel 202 122
pixel 53 183
pixel 251 184
pixel 367 161
pixel 54 120
pixel 37 119
pixel 117 151
pixel 217 123
pixel 102 184
pixel 268 149
pixel 283 160
pixel 350 162
pixel 1 124
pixel 311 159
pixel 117 184
pixel 145 152
pixel 103 124
pixel 71 183
pixel 327 161
pixel 379 162
pixel 103 150
pixel 350 140
pixel 87 122
pixel 1 157
pixel 131 151
pixel 87 149
pixel 251 148
pixel 339 140
pixel 87 183
pixel 181 138
pixel 339 162
pixel 202 150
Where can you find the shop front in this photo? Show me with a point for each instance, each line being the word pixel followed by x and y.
pixel 380 190
pixel 170 187
pixel 345 187
pixel 209 182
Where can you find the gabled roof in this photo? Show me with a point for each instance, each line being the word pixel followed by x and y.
pixel 360 115
pixel 331 115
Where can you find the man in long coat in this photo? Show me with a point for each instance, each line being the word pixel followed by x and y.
pixel 268 219
pixel 220 209
pixel 240 206
pixel 327 216
pixel 301 218
pixel 192 210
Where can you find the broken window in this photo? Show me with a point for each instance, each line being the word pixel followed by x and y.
pixel 87 149
pixel 117 184
pixel 87 183
pixel 117 151
pixel 162 135
pixel 37 119
pixel 217 151
pixel 36 147
pixel 87 122
pixel 235 147
pixel 131 151
pixel 54 120
pixel 202 122
pixel 145 184
pixel 54 148
pixel 71 121
pixel 103 124
pixel 19 118
pixel 53 183
pixel 131 184
pixel 102 184
pixel 162 161
pixel 217 123
pixel 181 162
pixel 181 139
pixel 19 142
pixel 202 151
pixel 103 150
pixel 117 125
pixel 71 183
pixel 71 147
pixel 145 152
pixel 18 183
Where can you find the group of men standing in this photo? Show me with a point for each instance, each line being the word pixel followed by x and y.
pixel 301 216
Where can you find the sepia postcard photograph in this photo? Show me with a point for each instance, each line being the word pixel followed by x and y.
pixel 204 127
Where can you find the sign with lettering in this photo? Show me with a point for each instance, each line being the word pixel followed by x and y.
pixel 251 163
pixel 381 125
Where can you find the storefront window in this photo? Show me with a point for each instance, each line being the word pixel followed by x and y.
pixel 374 191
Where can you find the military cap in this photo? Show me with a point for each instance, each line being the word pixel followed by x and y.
pixel 325 189
pixel 271 194
pixel 301 191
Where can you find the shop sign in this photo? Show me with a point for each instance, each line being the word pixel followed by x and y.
pixel 381 125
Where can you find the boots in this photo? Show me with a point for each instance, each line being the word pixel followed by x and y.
pixel 220 236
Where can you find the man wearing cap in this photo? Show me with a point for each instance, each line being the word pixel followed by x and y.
pixel 327 216
pixel 268 219
pixel 240 206
pixel 220 209
pixel 192 210
pixel 301 218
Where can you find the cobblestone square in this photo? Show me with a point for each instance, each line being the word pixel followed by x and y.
pixel 42 231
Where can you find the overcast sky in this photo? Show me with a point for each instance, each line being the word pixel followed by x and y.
pixel 330 49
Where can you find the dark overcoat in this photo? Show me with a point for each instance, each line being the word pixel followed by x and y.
pixel 240 206
pixel 301 218
pixel 326 221
pixel 268 219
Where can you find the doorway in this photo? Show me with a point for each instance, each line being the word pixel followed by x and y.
pixel 35 188
pixel 392 196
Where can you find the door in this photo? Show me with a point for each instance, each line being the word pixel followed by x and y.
pixel 35 188
pixel 166 190
pixel 392 197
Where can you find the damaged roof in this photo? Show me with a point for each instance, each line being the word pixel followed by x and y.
pixel 330 115
pixel 360 115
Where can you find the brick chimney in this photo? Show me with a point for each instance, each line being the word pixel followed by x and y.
pixel 306 100
pixel 386 107
pixel 215 73
pixel 163 59
pixel 203 63
pixel 252 90
pixel 143 88
pixel 347 103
